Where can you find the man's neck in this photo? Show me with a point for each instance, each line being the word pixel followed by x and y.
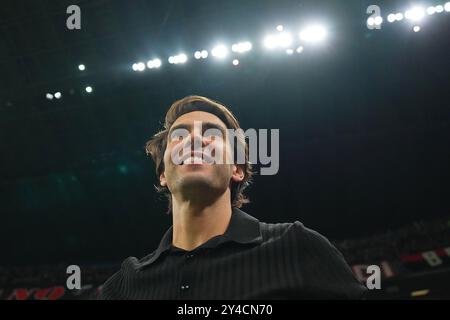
pixel 196 223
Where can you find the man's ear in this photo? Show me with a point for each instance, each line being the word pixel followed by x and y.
pixel 238 174
pixel 162 180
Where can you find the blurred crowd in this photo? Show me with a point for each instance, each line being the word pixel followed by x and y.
pixel 391 245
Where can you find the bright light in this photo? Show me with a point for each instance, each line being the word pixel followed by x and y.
pixel 284 39
pixel 49 96
pixel 280 40
pixel 155 63
pixel 81 67
pixel 197 55
pixel 204 54
pixel 439 8
pixel 88 89
pixel 415 14
pixel 280 27
pixel 431 10
pixel 246 46
pixel 299 49
pixel 416 29
pixel 391 17
pixel 241 47
pixel 289 51
pixel 315 33
pixel 378 20
pixel 181 58
pixel 270 42
pixel 374 21
pixel 235 62
pixel 447 6
pixel 219 51
pixel 399 16
pixel 140 66
pixel 58 95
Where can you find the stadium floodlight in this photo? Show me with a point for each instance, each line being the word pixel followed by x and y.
pixel 280 27
pixel 270 42
pixel 378 20
pixel 241 47
pixel 416 29
pixel 391 17
pixel 313 34
pixel 289 51
pixel 280 40
pixel 88 89
pixel 284 39
pixel 447 6
pixel 299 49
pixel 431 10
pixel 235 62
pixel 140 66
pixel 49 96
pixel 155 63
pixel 370 21
pixel 439 8
pixel 182 58
pixel 399 16
pixel 204 54
pixel 197 55
pixel 415 14
pixel 81 67
pixel 219 51
pixel 57 95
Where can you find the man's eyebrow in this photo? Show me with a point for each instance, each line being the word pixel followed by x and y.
pixel 213 125
pixel 179 126
pixel 205 126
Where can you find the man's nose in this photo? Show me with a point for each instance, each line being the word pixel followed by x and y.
pixel 198 139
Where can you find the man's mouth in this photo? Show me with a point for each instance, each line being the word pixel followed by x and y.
pixel 196 158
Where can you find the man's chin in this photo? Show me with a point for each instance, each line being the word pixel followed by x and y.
pixel 196 179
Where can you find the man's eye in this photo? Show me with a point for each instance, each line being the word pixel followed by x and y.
pixel 177 139
pixel 211 137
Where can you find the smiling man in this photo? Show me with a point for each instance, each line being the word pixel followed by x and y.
pixel 214 250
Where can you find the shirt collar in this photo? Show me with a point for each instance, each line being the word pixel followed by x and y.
pixel 242 229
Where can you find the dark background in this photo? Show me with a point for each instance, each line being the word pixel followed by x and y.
pixel 363 119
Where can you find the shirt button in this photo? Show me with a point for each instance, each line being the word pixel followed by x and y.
pixel 185 287
pixel 189 256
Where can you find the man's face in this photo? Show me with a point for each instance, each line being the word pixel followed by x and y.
pixel 188 175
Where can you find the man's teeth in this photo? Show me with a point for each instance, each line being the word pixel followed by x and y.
pixel 194 160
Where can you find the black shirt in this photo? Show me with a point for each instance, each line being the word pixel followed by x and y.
pixel 251 260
